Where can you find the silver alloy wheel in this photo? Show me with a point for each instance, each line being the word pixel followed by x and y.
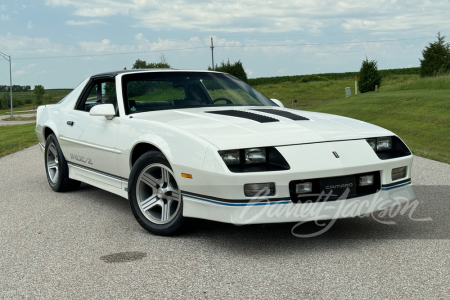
pixel 158 195
pixel 52 162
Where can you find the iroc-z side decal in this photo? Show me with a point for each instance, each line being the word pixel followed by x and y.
pixel 81 159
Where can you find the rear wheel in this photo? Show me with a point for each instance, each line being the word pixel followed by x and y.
pixel 155 196
pixel 56 167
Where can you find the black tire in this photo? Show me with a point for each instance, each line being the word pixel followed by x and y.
pixel 179 223
pixel 59 182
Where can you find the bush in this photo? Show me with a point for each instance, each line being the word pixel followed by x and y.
pixel 28 101
pixel 436 58
pixel 39 92
pixel 17 103
pixel 369 76
pixel 142 64
pixel 5 101
pixel 236 69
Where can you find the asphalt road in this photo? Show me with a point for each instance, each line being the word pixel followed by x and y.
pixel 87 245
pixel 5 123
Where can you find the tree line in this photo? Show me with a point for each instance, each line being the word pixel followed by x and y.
pixel 15 88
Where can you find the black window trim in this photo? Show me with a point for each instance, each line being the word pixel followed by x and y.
pixel 93 81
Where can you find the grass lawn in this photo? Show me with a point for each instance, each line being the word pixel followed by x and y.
pixel 16 137
pixel 28 99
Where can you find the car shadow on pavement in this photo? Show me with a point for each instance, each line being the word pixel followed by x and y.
pixel 282 237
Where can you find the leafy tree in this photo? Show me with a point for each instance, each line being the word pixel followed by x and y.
pixel 369 76
pixel 39 92
pixel 236 69
pixel 142 64
pixel 436 58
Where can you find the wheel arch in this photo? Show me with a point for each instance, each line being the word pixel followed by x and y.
pixel 48 128
pixel 141 147
pixel 46 131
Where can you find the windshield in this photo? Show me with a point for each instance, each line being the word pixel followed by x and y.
pixel 170 90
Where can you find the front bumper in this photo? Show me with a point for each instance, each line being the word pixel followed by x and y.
pixel 218 195
pixel 261 212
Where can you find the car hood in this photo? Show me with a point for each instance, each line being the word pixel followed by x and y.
pixel 226 131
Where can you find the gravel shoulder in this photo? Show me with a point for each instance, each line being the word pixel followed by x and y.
pixel 71 246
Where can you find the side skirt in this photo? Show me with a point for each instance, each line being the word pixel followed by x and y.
pixel 107 182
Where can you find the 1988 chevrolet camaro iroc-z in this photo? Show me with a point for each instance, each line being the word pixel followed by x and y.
pixel 184 145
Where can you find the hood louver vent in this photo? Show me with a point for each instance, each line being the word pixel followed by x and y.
pixel 283 113
pixel 245 115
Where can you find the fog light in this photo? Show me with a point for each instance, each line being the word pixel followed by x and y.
pixel 303 188
pixel 398 173
pixel 267 189
pixel 366 180
pixel 255 156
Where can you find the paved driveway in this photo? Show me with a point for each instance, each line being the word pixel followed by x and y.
pixel 87 245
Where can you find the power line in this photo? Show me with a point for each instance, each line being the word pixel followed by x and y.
pixel 204 47
pixel 320 44
pixel 314 35
pixel 127 44
pixel 109 54
pixel 79 46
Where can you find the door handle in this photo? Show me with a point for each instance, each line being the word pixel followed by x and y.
pixel 70 123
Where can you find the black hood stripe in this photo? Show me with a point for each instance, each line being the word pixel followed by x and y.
pixel 282 113
pixel 245 115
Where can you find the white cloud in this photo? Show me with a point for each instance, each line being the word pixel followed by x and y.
pixel 265 15
pixel 249 72
pixel 21 45
pixel 353 24
pixel 24 69
pixel 81 23
pixel 4 17
pixel 2 7
pixel 30 24
pixel 18 73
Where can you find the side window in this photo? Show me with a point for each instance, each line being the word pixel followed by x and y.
pixel 100 92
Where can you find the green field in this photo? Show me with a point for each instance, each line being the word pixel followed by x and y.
pixel 417 109
pixel 27 100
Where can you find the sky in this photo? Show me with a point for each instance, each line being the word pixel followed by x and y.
pixel 58 43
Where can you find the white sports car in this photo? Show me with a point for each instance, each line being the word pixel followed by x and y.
pixel 184 145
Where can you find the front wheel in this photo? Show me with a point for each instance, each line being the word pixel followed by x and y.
pixel 155 196
pixel 56 167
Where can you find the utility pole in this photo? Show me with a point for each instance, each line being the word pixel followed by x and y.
pixel 8 58
pixel 212 53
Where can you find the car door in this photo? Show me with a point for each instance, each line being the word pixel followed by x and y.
pixel 90 141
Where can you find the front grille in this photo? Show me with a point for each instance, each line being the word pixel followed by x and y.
pixel 321 188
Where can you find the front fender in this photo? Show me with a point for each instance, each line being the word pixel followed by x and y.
pixel 155 141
